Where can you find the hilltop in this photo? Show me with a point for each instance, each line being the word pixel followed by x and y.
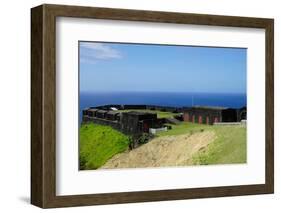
pixel 185 144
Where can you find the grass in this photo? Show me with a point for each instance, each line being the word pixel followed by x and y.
pixel 183 128
pixel 160 114
pixel 229 146
pixel 98 144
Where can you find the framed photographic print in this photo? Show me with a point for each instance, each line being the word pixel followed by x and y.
pixel 136 106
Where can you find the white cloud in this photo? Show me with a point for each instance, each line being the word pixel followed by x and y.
pixel 91 52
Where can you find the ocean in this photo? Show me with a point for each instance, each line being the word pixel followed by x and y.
pixel 174 99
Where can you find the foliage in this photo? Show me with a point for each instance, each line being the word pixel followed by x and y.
pixel 144 138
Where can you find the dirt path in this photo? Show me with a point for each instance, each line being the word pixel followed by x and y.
pixel 163 151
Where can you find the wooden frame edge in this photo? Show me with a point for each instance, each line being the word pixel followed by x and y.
pixel 269 119
pixel 36 106
pixel 43 187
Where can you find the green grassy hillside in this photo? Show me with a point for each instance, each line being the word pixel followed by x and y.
pixel 98 144
pixel 183 128
pixel 229 146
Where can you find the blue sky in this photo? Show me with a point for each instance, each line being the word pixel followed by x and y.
pixel 108 67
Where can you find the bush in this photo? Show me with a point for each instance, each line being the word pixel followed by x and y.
pixel 144 138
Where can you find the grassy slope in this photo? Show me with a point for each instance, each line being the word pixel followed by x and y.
pixel 98 144
pixel 160 114
pixel 228 147
pixel 183 128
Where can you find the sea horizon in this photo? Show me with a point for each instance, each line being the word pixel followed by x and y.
pixel 169 99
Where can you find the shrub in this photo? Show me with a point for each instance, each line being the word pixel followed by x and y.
pixel 144 138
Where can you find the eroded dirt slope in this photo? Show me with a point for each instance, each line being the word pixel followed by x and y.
pixel 163 151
